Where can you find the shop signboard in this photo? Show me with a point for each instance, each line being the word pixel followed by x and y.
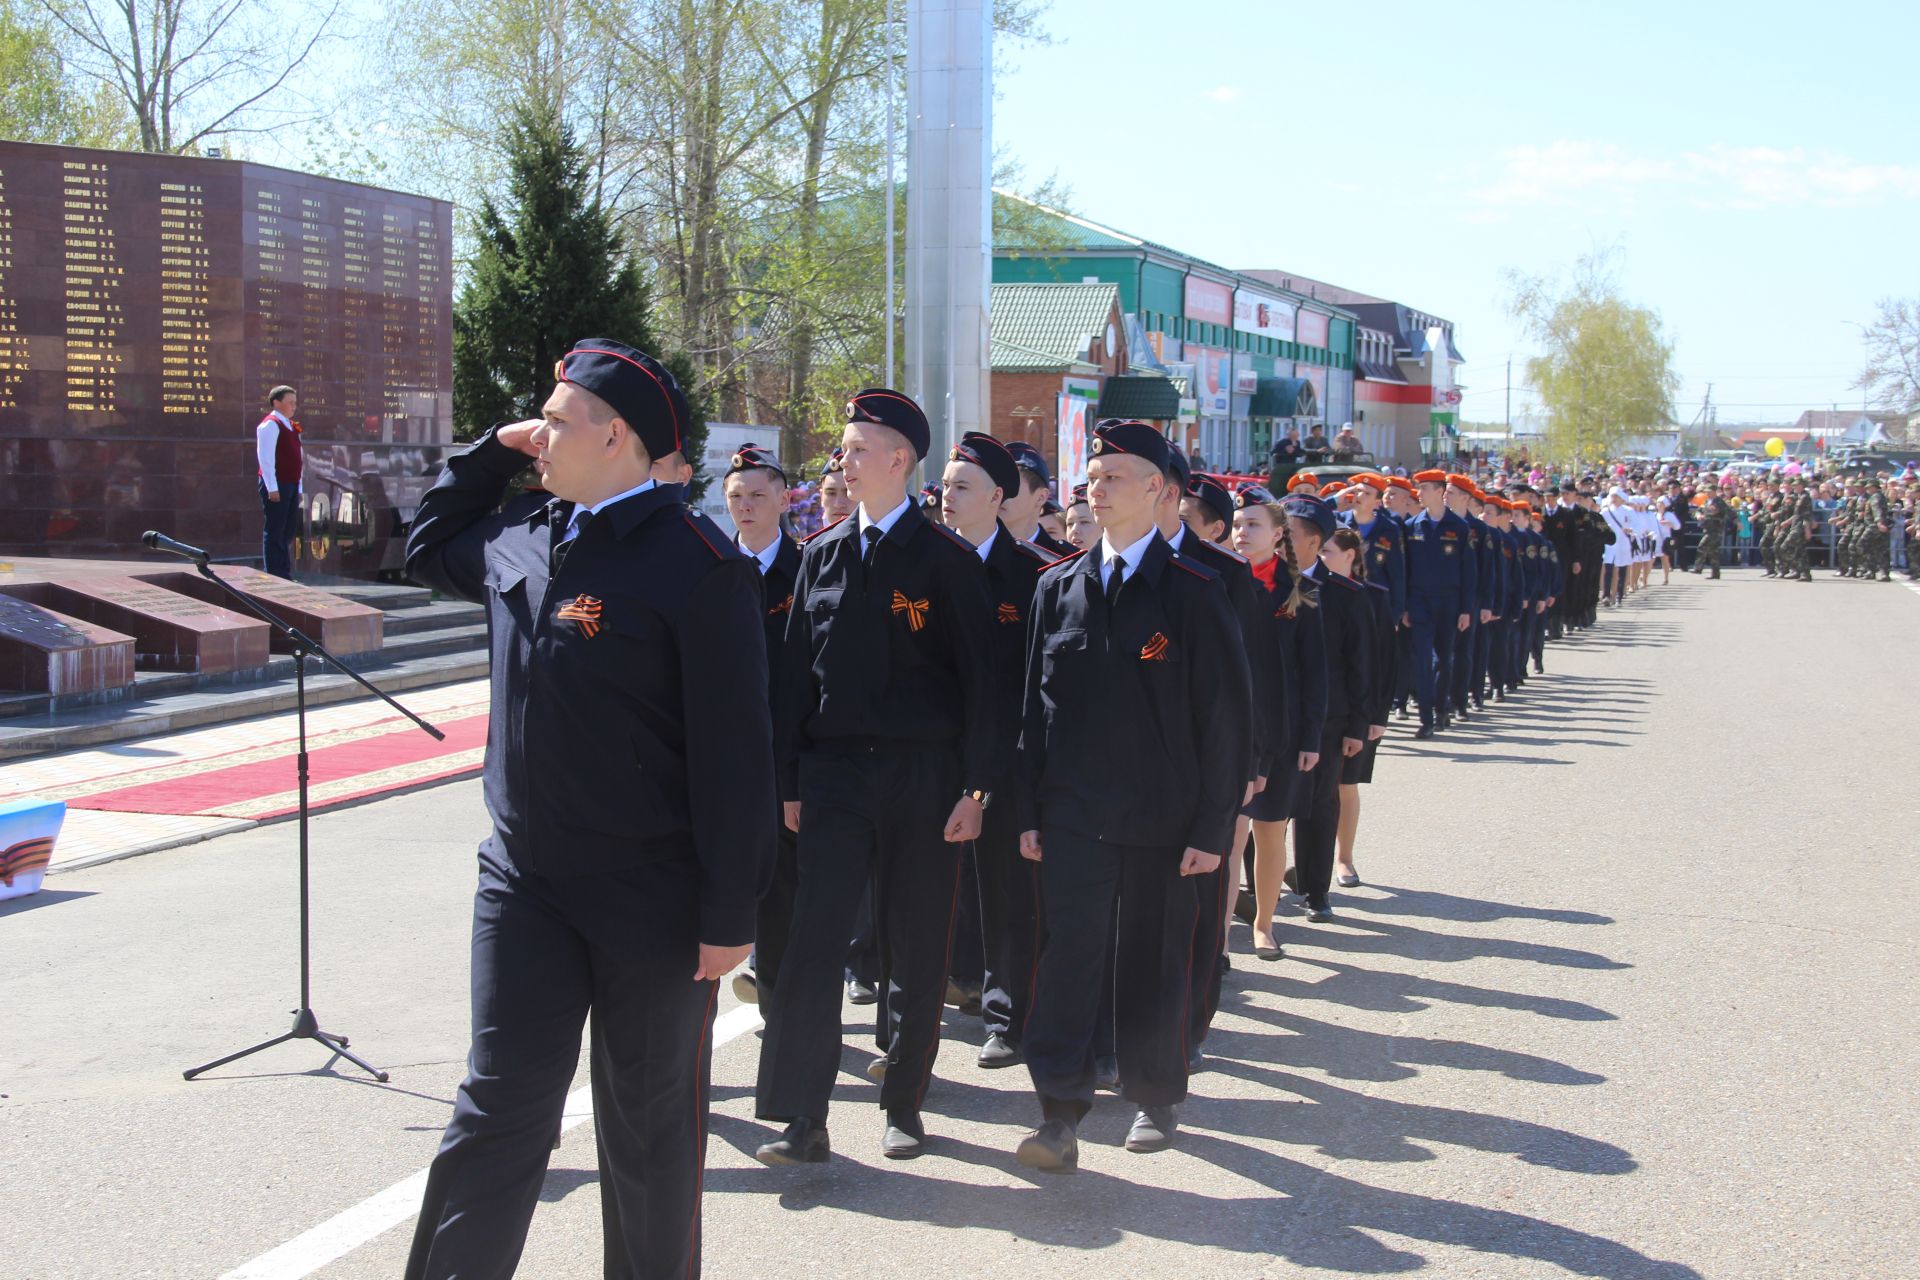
pixel 1208 301
pixel 1212 379
pixel 1263 314
pixel 1313 329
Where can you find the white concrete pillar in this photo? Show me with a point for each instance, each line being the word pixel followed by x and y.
pixel 949 275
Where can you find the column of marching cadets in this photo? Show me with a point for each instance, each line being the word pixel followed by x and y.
pixel 1023 776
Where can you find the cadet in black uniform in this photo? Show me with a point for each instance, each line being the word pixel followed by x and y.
pixel 1212 889
pixel 1346 615
pixel 1122 637
pixel 756 492
pixel 980 473
pixel 884 740
pixel 629 675
pixel 1022 514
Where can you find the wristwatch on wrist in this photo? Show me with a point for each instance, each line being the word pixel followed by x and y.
pixel 984 797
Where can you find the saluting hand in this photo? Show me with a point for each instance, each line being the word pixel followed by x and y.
pixel 1030 845
pixel 963 823
pixel 718 962
pixel 519 436
pixel 1196 863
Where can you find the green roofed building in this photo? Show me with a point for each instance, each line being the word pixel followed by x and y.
pixel 1245 359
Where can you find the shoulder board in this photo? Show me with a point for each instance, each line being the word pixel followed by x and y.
pixel 1228 552
pixel 1381 587
pixel 1068 558
pixel 710 535
pixel 1199 571
pixel 829 529
pixel 1348 583
pixel 953 537
pixel 1033 552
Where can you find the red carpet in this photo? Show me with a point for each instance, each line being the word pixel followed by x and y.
pixel 338 774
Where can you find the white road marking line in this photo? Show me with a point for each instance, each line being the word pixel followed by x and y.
pixel 346 1231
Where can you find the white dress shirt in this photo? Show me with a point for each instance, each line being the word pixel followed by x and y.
pixel 886 522
pixel 763 558
pixel 583 514
pixel 1129 556
pixel 987 544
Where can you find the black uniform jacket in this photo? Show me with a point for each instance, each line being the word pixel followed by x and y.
pixel 776 597
pixel 629 721
pixel 1346 616
pixel 1269 692
pixel 1299 640
pixel 900 652
pixel 1138 726
pixel 1385 668
pixel 1013 570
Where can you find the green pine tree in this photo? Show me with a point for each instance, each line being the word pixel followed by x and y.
pixel 549 269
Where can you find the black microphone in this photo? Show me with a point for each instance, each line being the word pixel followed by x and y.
pixel 157 541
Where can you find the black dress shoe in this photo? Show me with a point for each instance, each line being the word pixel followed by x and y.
pixel 905 1137
pixel 999 1051
pixel 1052 1148
pixel 859 992
pixel 1423 732
pixel 1196 1061
pixel 1152 1130
pixel 1268 953
pixel 1291 879
pixel 1319 912
pixel 803 1142
pixel 1106 1074
pixel 1462 713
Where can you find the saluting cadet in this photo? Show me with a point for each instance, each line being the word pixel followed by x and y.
pixel 629 777
pixel 1346 616
pixel 884 741
pixel 836 504
pixel 1212 889
pixel 756 487
pixel 1126 635
pixel 1260 533
pixel 1442 582
pixel 980 473
pixel 1023 510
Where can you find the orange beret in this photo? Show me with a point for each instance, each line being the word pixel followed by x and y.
pixel 1429 477
pixel 1458 481
pixel 1373 481
pixel 1330 488
pixel 1400 482
pixel 1524 507
pixel 1302 480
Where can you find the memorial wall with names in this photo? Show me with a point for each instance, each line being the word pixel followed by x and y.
pixel 147 306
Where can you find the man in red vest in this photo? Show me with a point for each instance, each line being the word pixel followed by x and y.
pixel 277 447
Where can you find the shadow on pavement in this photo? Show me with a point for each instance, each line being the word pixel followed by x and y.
pixel 1431 904
pixel 1352 987
pixel 44 898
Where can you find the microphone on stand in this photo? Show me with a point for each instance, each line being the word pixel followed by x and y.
pixel 156 541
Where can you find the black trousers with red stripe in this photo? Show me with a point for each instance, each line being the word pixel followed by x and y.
pixel 876 809
pixel 546 950
pixel 1080 880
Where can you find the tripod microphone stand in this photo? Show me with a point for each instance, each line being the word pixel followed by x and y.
pixel 305 1025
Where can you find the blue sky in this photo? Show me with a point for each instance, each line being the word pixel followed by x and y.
pixel 1757 167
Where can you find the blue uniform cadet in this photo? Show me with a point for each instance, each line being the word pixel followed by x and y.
pixel 629 675
pixel 1442 589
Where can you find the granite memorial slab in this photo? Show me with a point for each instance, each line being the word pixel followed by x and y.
pixel 341 625
pixel 45 651
pixel 171 632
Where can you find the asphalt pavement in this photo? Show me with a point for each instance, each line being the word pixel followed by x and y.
pixel 1629 992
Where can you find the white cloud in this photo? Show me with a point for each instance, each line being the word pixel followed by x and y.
pixel 1223 93
pixel 1569 172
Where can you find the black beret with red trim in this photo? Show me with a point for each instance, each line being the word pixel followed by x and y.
pixel 752 457
pixel 1212 495
pixel 992 457
pixel 890 408
pixel 1118 435
pixel 639 389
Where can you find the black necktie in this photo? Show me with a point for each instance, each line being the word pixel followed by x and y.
pixel 568 536
pixel 873 535
pixel 1116 575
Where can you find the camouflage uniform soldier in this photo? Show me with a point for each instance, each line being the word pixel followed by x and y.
pixel 1876 550
pixel 1766 521
pixel 1713 529
pixel 1843 526
pixel 1798 528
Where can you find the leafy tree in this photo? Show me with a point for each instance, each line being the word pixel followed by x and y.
pixel 548 268
pixel 40 100
pixel 1606 371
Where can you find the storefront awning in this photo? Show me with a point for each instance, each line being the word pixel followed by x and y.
pixel 1146 398
pixel 1283 398
pixel 1380 372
